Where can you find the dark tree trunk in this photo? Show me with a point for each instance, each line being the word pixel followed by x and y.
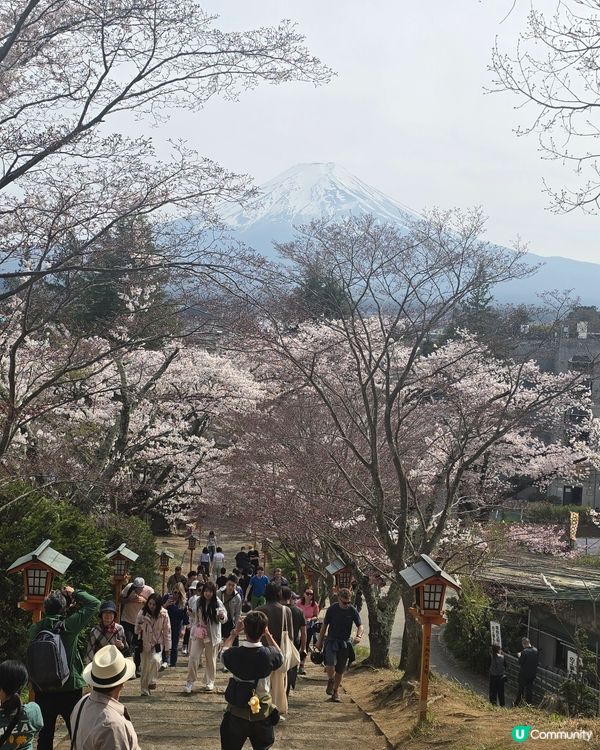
pixel 410 660
pixel 382 612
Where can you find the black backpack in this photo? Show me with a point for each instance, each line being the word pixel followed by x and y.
pixel 47 659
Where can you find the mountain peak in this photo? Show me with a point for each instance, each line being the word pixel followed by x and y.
pixel 310 191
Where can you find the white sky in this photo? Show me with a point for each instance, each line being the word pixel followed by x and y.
pixel 407 113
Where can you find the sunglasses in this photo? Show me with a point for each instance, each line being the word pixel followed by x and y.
pixel 309 592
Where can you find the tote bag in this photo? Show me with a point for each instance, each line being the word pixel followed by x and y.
pixel 291 656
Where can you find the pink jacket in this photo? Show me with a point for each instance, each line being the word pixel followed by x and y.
pixel 154 630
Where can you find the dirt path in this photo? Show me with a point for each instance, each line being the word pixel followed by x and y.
pixel 172 719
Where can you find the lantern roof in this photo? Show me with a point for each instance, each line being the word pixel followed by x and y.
pixel 165 552
pixel 124 551
pixel 423 570
pixel 44 554
pixel 335 566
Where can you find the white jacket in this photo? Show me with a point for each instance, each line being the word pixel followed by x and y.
pixel 213 628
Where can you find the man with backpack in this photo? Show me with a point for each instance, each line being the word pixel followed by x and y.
pixel 54 662
pixel 250 712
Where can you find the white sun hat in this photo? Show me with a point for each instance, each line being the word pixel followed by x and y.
pixel 109 668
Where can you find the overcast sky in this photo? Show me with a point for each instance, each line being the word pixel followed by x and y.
pixel 406 113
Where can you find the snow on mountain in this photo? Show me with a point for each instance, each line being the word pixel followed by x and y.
pixel 313 191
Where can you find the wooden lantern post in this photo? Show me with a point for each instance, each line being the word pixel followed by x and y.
pixel 120 559
pixel 430 584
pixel 341 574
pixel 39 568
pixel 164 557
pixel 192 541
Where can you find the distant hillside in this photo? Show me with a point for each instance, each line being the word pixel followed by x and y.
pixel 309 191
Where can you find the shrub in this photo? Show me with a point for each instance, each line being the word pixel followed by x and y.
pixel 27 517
pixel 549 513
pixel 467 633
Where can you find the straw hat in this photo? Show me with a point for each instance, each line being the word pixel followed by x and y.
pixel 109 668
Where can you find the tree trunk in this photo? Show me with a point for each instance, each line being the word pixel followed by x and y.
pixel 410 661
pixel 382 612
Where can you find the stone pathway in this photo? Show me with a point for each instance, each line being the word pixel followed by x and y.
pixel 172 719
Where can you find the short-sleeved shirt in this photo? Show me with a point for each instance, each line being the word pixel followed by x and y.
pixel 340 621
pixel 258 585
pixel 29 724
pixel 218 559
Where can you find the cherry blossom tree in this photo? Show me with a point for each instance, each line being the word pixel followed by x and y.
pixel 418 434
pixel 138 431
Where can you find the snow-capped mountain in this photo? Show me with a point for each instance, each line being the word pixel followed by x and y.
pixel 311 191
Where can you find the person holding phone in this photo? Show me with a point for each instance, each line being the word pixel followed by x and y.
pixel 250 712
pixel 154 630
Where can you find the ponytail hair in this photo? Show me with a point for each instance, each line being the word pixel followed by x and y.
pixel 13 678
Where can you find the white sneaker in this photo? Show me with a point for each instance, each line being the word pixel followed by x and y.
pixel 164 665
pixel 187 688
pixel 210 687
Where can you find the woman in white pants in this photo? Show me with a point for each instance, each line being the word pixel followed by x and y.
pixel 205 637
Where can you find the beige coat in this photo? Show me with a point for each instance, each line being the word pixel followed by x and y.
pixel 104 724
pixel 154 631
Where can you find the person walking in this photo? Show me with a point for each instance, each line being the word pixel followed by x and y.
pixel 254 557
pixel 279 578
pixel 204 562
pixel 250 713
pixel 299 635
pixel 191 596
pixel 154 632
pixel 218 560
pixel 528 665
pixel 176 605
pixel 19 723
pixel 242 561
pixel 177 577
pixel 255 593
pixel 208 614
pixel 335 633
pixel 310 609
pixel 232 602
pixel 99 720
pixel 280 619
pixel 107 632
pixel 211 544
pixel 133 597
pixel 221 579
pixel 497 676
pixel 55 702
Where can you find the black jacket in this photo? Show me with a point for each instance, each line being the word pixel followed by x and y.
pixel 528 662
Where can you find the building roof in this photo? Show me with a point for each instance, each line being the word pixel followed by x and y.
pixel 124 551
pixel 165 552
pixel 46 555
pixel 529 575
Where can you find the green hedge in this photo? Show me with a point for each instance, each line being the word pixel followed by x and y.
pixel 549 513
pixel 467 633
pixel 27 517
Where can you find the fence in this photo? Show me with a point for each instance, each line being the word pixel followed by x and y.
pixel 547 681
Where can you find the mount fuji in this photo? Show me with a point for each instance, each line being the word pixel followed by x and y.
pixel 326 190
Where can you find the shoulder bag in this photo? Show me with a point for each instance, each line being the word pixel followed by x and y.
pixel 291 656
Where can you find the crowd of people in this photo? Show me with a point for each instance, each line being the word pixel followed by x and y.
pixel 202 615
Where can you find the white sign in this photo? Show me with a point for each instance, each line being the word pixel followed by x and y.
pixel 495 633
pixel 571 662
